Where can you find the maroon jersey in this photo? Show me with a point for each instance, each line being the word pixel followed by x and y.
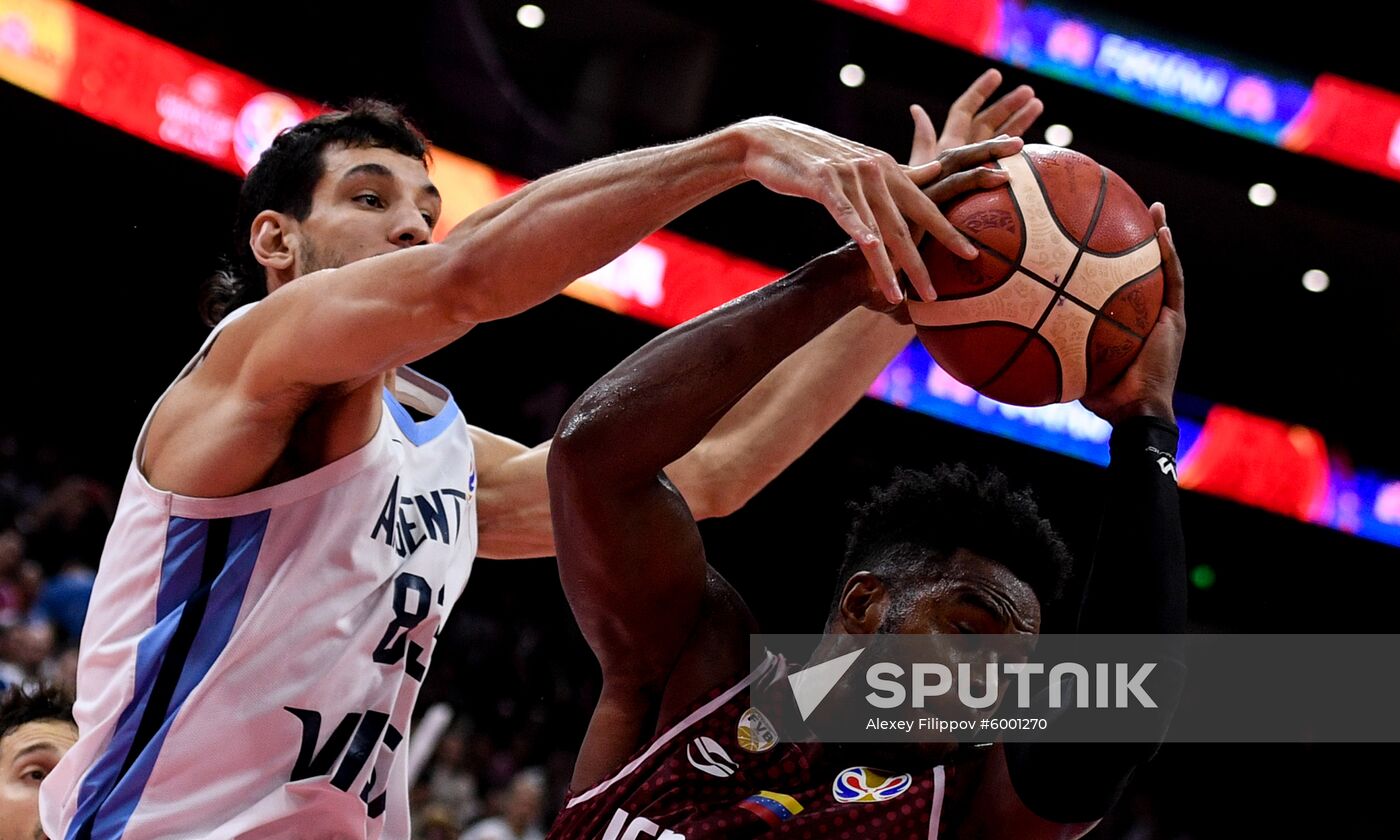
pixel 723 771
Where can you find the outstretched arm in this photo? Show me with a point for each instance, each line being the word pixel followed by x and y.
pixel 519 251
pixel 322 336
pixel 374 313
pixel 762 434
pixel 757 439
pixel 630 557
pixel 800 400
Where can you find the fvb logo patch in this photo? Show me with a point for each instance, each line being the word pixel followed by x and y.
pixel 862 784
pixel 756 732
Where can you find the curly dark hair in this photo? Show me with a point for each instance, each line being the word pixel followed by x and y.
pixel 284 180
pixel 19 706
pixel 912 525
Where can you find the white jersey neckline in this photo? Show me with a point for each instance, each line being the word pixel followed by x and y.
pixel 411 387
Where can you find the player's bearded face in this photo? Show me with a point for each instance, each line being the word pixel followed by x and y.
pixel 369 202
pixel 313 257
pixel 309 258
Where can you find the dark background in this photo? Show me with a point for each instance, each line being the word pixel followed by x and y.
pixel 109 237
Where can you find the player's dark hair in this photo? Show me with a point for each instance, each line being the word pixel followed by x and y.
pixel 284 180
pixel 911 526
pixel 19 706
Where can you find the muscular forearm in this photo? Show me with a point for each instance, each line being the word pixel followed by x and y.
pixel 516 252
pixel 660 402
pixel 755 441
pixel 786 412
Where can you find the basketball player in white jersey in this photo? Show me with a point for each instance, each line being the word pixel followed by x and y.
pixel 301 512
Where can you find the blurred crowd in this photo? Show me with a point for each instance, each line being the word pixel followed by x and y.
pixel 496 770
pixel 52 528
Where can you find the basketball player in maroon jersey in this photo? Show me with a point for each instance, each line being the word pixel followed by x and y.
pixel 674 751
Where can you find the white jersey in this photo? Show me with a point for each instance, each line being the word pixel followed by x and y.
pixel 250 663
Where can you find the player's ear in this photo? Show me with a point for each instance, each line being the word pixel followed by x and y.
pixel 864 603
pixel 274 241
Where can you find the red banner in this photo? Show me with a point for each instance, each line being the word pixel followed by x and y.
pixel 972 25
pixel 173 98
pixel 1350 123
pixel 142 85
pixel 1263 462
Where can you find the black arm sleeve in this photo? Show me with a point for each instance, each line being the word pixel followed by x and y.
pixel 1137 584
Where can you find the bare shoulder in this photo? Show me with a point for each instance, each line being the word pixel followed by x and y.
pixel 209 437
pixel 716 653
pixel 631 713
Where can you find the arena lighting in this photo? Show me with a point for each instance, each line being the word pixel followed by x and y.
pixel 1058 135
pixel 852 75
pixel 530 16
pixel 1262 195
pixel 1332 117
pixel 73 56
pixel 1316 280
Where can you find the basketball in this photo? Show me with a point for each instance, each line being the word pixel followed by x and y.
pixel 1064 292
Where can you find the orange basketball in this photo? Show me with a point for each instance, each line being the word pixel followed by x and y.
pixel 1066 288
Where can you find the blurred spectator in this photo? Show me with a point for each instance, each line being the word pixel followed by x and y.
pixel 30 579
pixel 36 729
pixel 65 672
pixel 452 784
pixel 12 604
pixel 521 808
pixel 63 600
pixel 70 524
pixel 19 489
pixel 435 822
pixel 24 654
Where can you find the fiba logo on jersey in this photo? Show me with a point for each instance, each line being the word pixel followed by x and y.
pixel 862 784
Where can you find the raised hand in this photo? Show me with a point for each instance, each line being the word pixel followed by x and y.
pixel 868 194
pixel 1146 387
pixel 969 122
